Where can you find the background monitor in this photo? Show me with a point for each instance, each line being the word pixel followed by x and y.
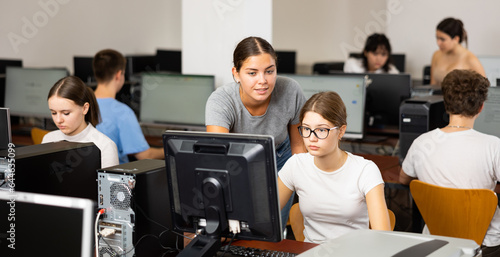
pixel 45 225
pixel 216 177
pixel 175 99
pixel 3 66
pixel 384 95
pixel 350 87
pixel 59 168
pixel 27 89
pixel 488 120
pixel 491 65
pixel 137 64
pixel 83 68
pixel 287 62
pixel 5 129
pixel 169 60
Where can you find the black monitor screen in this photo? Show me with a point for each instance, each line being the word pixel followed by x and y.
pixel 137 64
pixel 169 60
pixel 44 225
pixel 60 168
pixel 216 177
pixel 83 69
pixel 5 130
pixel 286 61
pixel 384 95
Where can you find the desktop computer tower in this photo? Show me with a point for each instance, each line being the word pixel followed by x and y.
pixel 417 116
pixel 135 197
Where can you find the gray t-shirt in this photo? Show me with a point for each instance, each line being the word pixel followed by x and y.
pixel 225 109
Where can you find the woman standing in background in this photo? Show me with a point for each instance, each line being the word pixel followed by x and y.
pixel 450 34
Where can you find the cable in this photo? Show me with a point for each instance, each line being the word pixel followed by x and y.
pixel 101 211
pixel 227 246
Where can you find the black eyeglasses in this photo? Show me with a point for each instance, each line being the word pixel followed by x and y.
pixel 320 133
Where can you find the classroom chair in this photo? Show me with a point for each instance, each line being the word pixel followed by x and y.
pixel 37 135
pixel 462 213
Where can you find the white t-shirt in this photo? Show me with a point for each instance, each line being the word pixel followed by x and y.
pixel 332 203
pixel 109 153
pixel 465 159
pixel 355 65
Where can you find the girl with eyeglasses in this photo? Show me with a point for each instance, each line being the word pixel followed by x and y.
pixel 338 191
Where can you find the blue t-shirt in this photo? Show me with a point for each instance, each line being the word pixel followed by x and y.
pixel 120 124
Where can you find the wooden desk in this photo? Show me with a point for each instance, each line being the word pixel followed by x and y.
pixel 290 246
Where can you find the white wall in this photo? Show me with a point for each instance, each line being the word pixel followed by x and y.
pixel 211 31
pixel 319 30
pixel 49 32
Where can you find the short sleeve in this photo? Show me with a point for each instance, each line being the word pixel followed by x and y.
pixel 219 111
pixel 370 177
pixel 131 136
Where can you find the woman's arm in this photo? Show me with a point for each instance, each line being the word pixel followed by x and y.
pixel 217 129
pixel 377 209
pixel 284 193
pixel 296 141
pixel 404 179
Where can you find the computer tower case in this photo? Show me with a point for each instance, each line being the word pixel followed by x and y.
pixel 58 168
pixel 417 116
pixel 135 197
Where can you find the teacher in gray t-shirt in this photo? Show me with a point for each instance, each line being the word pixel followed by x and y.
pixel 259 102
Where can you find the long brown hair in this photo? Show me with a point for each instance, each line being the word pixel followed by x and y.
pixel 74 89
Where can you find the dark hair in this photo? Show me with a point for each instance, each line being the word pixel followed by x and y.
pixel 373 42
pixel 252 46
pixel 106 64
pixel 453 27
pixel 74 89
pixel 329 105
pixel 464 92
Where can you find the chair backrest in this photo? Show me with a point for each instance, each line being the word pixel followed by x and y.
pixel 297 222
pixel 462 213
pixel 37 135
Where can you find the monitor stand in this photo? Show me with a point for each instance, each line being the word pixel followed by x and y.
pixel 207 244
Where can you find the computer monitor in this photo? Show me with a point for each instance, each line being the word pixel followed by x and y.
pixel 83 68
pixel 217 181
pixel 27 89
pixel 169 60
pixel 60 168
pixel 5 129
pixel 45 225
pixel 3 65
pixel 350 87
pixel 287 62
pixel 491 65
pixel 175 99
pixel 384 95
pixel 136 64
pixel 488 120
